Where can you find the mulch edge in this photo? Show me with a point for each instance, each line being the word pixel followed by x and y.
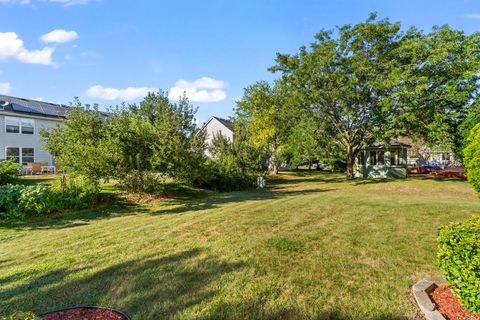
pixel 421 293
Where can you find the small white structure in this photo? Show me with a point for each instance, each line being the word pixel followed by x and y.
pixel 215 126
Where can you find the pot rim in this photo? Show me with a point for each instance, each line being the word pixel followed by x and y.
pixel 126 316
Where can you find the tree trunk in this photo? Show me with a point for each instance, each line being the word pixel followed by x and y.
pixel 273 161
pixel 350 163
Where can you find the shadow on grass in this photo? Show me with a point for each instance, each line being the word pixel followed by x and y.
pixel 151 287
pixel 258 309
pixel 287 178
pixel 218 199
pixel 111 206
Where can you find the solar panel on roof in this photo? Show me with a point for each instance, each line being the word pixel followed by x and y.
pixel 29 109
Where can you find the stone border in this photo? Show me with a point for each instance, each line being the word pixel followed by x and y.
pixel 421 291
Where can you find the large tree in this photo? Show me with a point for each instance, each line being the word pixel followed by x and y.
pixel 373 82
pixel 137 144
pixel 266 113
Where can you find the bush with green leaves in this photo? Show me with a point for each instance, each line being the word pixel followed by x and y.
pixel 459 260
pixel 215 178
pixel 233 165
pixel 20 201
pixel 135 145
pixel 472 157
pixel 9 171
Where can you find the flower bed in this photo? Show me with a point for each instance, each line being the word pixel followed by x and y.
pixel 449 306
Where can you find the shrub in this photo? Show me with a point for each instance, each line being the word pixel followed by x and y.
pixel 472 158
pixel 77 192
pixel 459 260
pixel 9 171
pixel 214 179
pixel 21 316
pixel 18 201
pixel 9 199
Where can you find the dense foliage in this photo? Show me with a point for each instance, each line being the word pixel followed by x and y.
pixel 138 145
pixel 472 158
pixel 9 171
pixel 463 131
pixel 459 260
pixel 20 201
pixel 233 165
pixel 365 83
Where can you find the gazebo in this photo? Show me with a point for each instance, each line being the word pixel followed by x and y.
pixel 381 161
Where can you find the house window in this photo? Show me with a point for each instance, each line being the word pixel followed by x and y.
pixel 20 155
pixel 28 155
pixel 394 158
pixel 28 126
pixel 13 153
pixel 377 158
pixel 12 125
pixel 18 125
pixel 380 158
pixel 361 158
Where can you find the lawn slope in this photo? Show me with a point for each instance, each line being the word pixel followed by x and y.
pixel 309 247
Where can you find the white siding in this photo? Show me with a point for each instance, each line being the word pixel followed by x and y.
pixel 215 127
pixel 19 140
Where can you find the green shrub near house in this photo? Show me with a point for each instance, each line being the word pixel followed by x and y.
pixel 459 260
pixel 21 201
pixel 9 172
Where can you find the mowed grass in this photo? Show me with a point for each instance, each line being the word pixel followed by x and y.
pixel 309 247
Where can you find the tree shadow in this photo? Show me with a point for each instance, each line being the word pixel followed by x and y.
pixel 364 181
pixel 259 309
pixel 177 206
pixel 111 207
pixel 150 287
pixel 306 177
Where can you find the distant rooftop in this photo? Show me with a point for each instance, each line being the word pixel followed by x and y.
pixel 32 107
pixel 35 107
pixel 225 122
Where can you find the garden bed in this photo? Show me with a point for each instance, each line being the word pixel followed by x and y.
pixel 449 306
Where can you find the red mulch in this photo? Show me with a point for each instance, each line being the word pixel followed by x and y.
pixel 84 314
pixel 449 306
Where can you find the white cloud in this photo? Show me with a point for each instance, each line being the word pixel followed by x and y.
pixel 473 15
pixel 59 36
pixel 204 89
pixel 130 93
pixel 11 47
pixel 5 87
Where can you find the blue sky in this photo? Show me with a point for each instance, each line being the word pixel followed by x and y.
pixel 106 51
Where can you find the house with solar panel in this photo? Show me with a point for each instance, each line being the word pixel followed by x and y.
pixel 20 123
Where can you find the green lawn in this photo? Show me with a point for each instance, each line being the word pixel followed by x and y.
pixel 309 247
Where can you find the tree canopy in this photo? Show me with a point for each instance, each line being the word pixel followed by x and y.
pixel 374 82
pixel 135 143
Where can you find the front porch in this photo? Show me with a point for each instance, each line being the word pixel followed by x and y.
pixel 378 161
